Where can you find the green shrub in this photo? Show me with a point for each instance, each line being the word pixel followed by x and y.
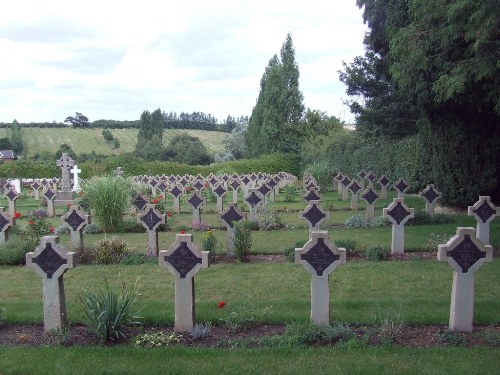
pixel 290 193
pixel 109 200
pixel 349 245
pixel 13 253
pixel 242 240
pixel 210 244
pixel 200 331
pixel 107 312
pixel 157 340
pixel 451 338
pixel 37 226
pixel 290 251
pixel 130 226
pixel 110 251
pixel 355 221
pixel 92 229
pixel 376 253
pixel 268 218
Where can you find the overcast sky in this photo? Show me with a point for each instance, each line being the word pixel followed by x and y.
pixel 113 60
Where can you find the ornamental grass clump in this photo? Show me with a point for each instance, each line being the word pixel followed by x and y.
pixel 108 197
pixel 107 313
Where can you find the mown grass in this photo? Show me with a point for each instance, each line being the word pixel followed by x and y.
pixel 180 360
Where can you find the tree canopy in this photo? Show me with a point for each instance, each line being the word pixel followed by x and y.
pixel 79 121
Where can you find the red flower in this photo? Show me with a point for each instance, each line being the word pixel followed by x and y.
pixel 183 231
pixel 161 196
pixel 17 215
pixel 52 229
pixel 31 222
pixel 221 304
pixel 68 205
pixel 155 201
pixel 169 214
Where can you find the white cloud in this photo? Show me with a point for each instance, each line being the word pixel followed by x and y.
pixel 112 60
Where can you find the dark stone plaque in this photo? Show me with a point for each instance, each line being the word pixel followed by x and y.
pixel 176 192
pixel 314 215
pixel 384 181
pixel 35 185
pixel 231 216
pixel 213 180
pixel 311 186
pixel 219 190
pixel 264 189
pixel 253 199
pixel 245 180
pixel 362 174
pixel 225 177
pixel 145 180
pixel 485 211
pixel 311 196
pixel 139 202
pixel 172 179
pixel 370 196
pixel 44 182
pixel 3 222
pixel 355 187
pixel 49 260
pixel 162 186
pixel 235 184
pixel 430 195
pixel 12 195
pixel 74 220
pixel 345 181
pixel 151 219
pixel 183 259
pixel 195 201
pixel 371 177
pixel 466 254
pixel 253 176
pixel 320 257
pixel 198 185
pixel 153 182
pixel 339 177
pixel 398 213
pixel 401 186
pixel 184 181
pixel 271 183
pixel 49 194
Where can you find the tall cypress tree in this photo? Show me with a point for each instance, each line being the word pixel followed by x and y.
pixel 150 137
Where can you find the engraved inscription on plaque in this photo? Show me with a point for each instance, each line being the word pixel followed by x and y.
pixel 314 215
pixel 320 257
pixel 49 260
pixel 195 201
pixel 150 218
pixel 484 211
pixel 231 215
pixel 74 220
pixel 183 259
pixel 398 213
pixel 466 254
pixel 370 196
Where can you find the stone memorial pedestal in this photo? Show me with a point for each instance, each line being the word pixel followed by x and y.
pixel 484 211
pixel 320 257
pixel 76 220
pixel 398 214
pixel 151 219
pixel 231 215
pixel 51 260
pixel 465 253
pixel 65 195
pixel 184 260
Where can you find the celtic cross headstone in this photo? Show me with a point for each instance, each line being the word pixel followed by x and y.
pixel 51 260
pixel 76 220
pixel 355 188
pixel 484 211
pixel 314 216
pixel 151 219
pixel 231 215
pixel 430 196
pixel 465 253
pixel 320 257
pixel 184 261
pixel 370 196
pixel 398 214
pixel 253 199
pixel 196 202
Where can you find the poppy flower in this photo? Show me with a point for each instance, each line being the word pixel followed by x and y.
pixel 17 215
pixel 52 229
pixel 183 231
pixel 169 214
pixel 31 222
pixel 155 201
pixel 221 304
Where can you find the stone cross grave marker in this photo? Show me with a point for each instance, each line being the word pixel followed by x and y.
pixel 153 182
pixel 320 257
pixel 76 182
pixel 354 187
pixel 12 196
pixel 430 196
pixel 246 184
pixel 65 162
pixel 370 197
pixel 17 184
pixel 264 190
pixel 384 184
pixel 371 178
pixel 6 223
pixel 231 215
pixel 338 177
pixel 36 189
pixel 199 185
pixel 345 192
pixel 484 211
pixel 118 172
pixel 196 201
pixel 465 253
pixel 184 260
pixel 401 186
pixel 253 199
pixel 139 202
pixel 50 195
pixel 362 174
pixel 151 219
pixel 51 260
pixel 76 220
pixel 220 192
pixel 235 185
pixel 312 195
pixel 176 193
pixel 273 185
pixel 398 214
pixel 163 186
pixel 314 216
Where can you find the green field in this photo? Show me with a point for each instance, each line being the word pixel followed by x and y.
pixel 47 140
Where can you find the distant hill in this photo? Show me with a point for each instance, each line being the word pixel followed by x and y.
pixel 48 140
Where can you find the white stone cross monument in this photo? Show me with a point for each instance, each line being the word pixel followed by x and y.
pixel 465 253
pixel 354 187
pixel 184 260
pixel 51 260
pixel 151 219
pixel 196 201
pixel 65 162
pixel 370 197
pixel 12 196
pixel 484 211
pixel 320 257
pixel 314 216
pixel 76 182
pixel 401 186
pixel 430 196
pixel 398 214
pixel 229 216
pixel 253 199
pixel 76 220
